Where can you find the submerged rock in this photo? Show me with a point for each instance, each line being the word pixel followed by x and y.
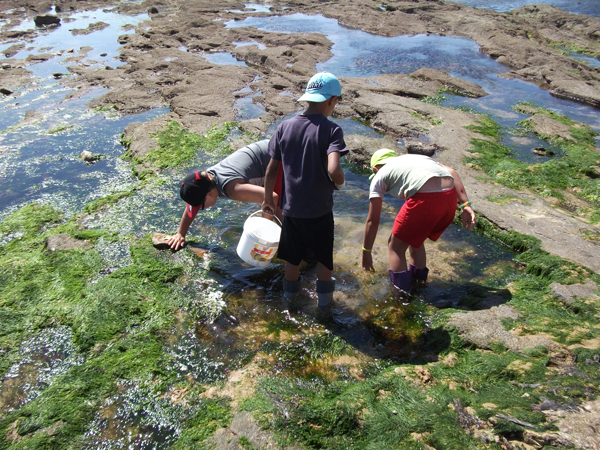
pixel 46 19
pixel 90 29
pixel 89 157
pixel 542 151
pixel 159 240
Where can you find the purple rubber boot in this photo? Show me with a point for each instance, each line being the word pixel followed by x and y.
pixel 418 274
pixel 401 280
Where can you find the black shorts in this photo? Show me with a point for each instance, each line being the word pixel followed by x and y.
pixel 298 236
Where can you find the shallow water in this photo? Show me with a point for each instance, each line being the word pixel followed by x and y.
pixel 224 58
pixel 44 357
pixel 589 7
pixel 58 40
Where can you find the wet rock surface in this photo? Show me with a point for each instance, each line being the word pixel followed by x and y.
pixel 244 428
pixel 579 428
pixel 463 87
pixel 485 328
pixel 65 242
pixel 571 292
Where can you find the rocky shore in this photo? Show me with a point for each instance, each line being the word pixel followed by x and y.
pixel 201 94
pixel 162 67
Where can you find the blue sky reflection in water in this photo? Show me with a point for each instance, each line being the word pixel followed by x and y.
pixel 61 38
pixel 41 165
pixel 589 7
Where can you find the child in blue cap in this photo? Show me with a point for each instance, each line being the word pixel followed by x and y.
pixel 308 147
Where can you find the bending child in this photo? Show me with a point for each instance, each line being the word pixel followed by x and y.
pixel 240 176
pixel 431 191
pixel 308 147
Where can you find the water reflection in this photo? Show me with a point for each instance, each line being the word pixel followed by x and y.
pixel 247 109
pixel 40 161
pixel 223 58
pixel 589 7
pixel 103 44
pixel 252 8
pixel 360 54
pixel 247 43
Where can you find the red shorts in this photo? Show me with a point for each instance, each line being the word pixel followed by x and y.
pixel 277 188
pixel 424 216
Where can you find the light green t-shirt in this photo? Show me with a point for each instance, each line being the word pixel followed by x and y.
pixel 404 175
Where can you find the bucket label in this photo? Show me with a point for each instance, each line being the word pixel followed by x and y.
pixel 261 253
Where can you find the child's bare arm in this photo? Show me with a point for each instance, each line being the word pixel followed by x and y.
pixel 334 167
pixel 468 213
pixel 268 204
pixel 246 192
pixel 177 241
pixel 371 227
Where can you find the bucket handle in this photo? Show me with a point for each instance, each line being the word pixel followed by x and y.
pixel 274 216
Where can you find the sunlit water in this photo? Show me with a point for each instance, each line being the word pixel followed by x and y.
pixel 588 7
pixel 233 303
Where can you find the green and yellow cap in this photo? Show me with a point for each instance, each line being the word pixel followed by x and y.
pixel 380 156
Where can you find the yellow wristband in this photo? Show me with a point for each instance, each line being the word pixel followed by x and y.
pixel 367 250
pixel 467 203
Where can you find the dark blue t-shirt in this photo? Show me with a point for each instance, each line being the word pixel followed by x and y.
pixel 302 144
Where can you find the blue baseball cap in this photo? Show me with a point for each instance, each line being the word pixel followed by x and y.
pixel 321 87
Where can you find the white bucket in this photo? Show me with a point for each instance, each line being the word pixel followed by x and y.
pixel 259 240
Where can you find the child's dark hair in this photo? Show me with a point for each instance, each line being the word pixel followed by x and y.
pixel 194 188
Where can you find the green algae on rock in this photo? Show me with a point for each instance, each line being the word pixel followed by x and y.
pixel 176 145
pixel 571 179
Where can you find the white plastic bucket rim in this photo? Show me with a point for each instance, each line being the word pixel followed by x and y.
pixel 258 249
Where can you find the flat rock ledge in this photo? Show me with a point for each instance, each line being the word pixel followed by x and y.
pixel 244 425
pixel 484 328
pixel 569 293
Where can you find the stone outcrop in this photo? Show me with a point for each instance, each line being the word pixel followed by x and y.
pixel 484 329
pixel 65 242
pixel 457 85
